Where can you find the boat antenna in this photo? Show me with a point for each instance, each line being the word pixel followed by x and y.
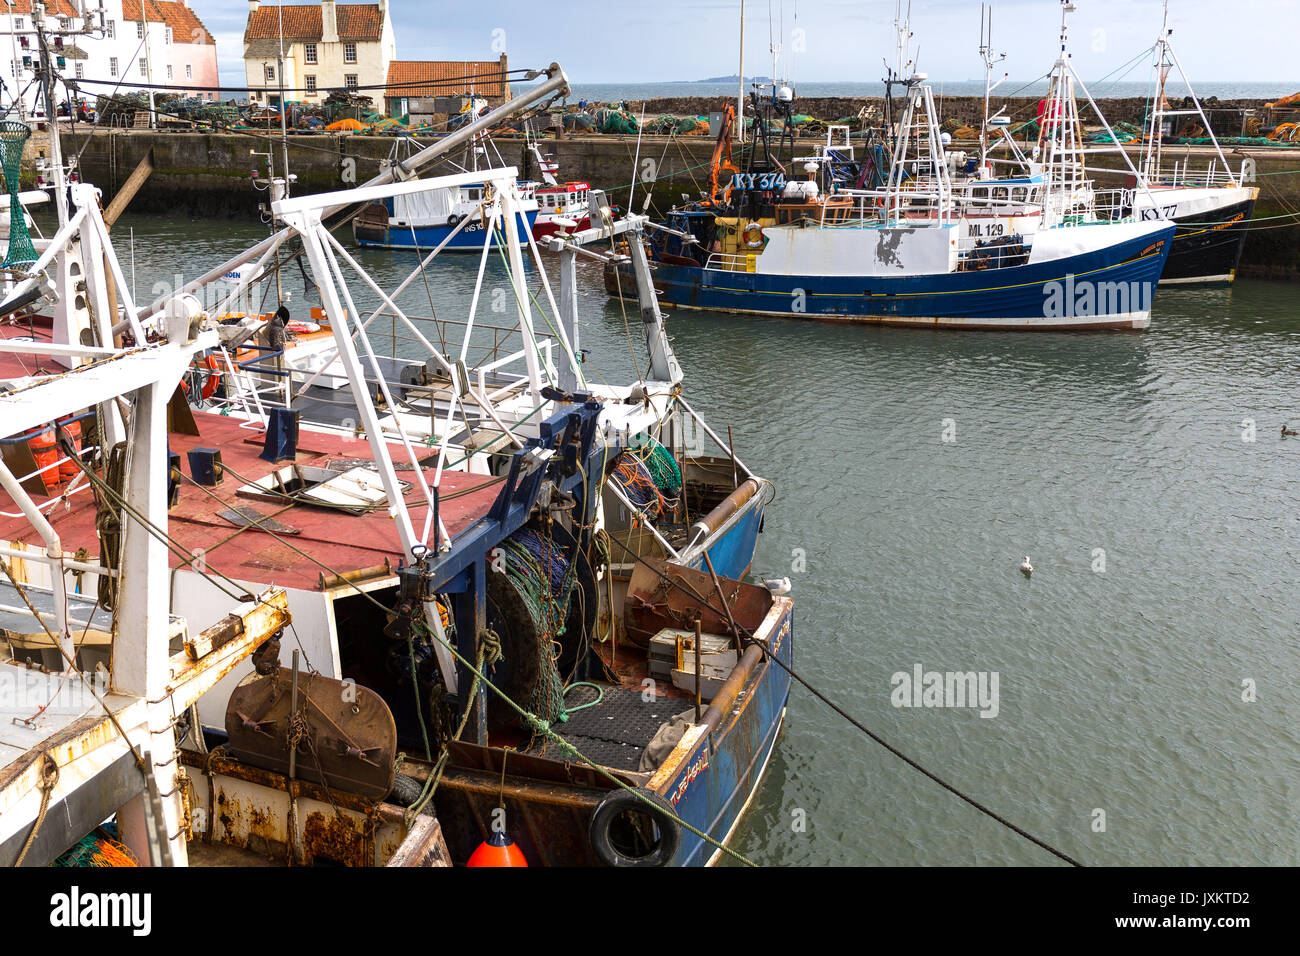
pixel 740 95
pixel 987 55
pixel 1166 62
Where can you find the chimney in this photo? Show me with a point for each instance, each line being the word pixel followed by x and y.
pixel 252 7
pixel 329 24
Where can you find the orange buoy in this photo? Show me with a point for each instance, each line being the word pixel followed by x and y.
pixel 497 850
pixel 213 380
pixel 46 452
pixel 67 467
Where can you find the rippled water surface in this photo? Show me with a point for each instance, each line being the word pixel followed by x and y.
pixel 1120 689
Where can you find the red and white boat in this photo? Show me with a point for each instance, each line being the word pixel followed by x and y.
pixel 561 206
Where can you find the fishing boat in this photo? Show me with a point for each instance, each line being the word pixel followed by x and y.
pixel 453 218
pixel 1210 206
pixel 448 219
pixel 907 253
pixel 98 680
pixel 507 587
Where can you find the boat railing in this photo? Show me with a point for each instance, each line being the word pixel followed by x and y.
pixel 732 262
pixel 255 386
pixel 872 207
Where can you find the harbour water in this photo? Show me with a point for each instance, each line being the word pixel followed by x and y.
pixel 1164 548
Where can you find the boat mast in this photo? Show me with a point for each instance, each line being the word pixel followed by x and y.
pixel 1167 62
pixel 51 116
pixel 1153 149
pixel 986 54
pixel 740 94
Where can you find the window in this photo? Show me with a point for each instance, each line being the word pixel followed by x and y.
pixel 310 82
pixel 349 53
pixel 270 74
pixel 169 35
pixel 350 81
pixel 112 66
pixel 111 27
pixel 18 65
pixel 189 72
pixel 64 24
pixel 80 69
pixel 309 53
pixel 139 30
pixel 144 66
pixel 18 23
pixel 169 71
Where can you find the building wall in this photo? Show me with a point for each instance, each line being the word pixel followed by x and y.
pixel 119 42
pixel 330 68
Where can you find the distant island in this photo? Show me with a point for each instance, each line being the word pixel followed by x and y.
pixel 735 78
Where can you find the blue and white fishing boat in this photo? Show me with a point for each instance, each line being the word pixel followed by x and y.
pixel 1211 206
pixel 912 250
pixel 509 559
pixel 453 219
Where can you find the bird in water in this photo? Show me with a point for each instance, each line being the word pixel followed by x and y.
pixel 778 586
pixel 1026 567
pixel 1288 432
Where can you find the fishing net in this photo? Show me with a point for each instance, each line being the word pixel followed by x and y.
pixel 96 850
pixel 616 121
pixel 1124 133
pixel 13 137
pixel 543 576
pixel 650 477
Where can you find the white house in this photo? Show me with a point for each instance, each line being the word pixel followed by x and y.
pixel 318 47
pixel 136 44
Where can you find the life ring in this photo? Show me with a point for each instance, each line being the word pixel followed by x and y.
pixel 214 376
pixel 619 802
pixel 753 236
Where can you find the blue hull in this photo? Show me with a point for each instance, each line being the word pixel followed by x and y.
pixel 1040 296
pixel 712 786
pixel 469 239
pixel 733 553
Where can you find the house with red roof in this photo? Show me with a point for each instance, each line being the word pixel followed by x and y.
pixel 309 50
pixel 413 84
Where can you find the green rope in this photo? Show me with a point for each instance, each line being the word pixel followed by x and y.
pixel 600 695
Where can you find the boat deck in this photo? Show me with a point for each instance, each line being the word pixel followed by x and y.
pixel 617 730
pixel 24 364
pixel 343 542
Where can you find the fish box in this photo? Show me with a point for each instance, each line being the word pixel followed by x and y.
pixel 673 649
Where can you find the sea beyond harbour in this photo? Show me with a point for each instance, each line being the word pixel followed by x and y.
pixel 1222 89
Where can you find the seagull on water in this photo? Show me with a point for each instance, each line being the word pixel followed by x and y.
pixel 1026 567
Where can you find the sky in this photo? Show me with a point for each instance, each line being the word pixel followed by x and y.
pixel 636 41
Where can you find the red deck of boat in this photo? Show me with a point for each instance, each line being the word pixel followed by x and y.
pixel 24 364
pixel 341 541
